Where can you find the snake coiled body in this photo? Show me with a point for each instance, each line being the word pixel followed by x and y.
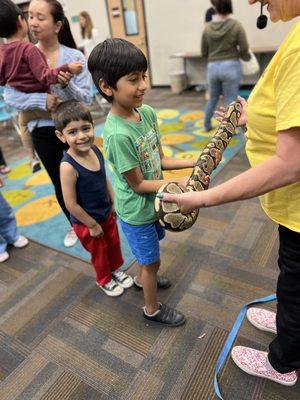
pixel 169 214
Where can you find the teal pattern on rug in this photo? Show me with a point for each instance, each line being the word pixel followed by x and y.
pixel 182 137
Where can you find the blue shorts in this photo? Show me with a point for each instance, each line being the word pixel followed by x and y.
pixel 144 241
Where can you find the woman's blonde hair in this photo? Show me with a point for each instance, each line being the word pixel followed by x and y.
pixel 87 30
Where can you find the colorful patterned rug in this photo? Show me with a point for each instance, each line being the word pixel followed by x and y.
pixel 38 214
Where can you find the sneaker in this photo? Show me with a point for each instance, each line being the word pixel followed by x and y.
pixel 262 319
pixel 35 166
pixel 123 279
pixel 112 288
pixel 4 169
pixel 162 283
pixel 4 256
pixel 70 238
pixel 165 315
pixel 22 241
pixel 256 363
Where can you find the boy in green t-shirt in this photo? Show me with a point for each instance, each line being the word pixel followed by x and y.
pixel 132 145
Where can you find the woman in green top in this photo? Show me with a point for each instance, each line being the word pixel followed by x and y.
pixel 224 41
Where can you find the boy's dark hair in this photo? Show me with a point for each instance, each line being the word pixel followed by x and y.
pixel 9 14
pixel 68 111
pixel 223 7
pixel 112 59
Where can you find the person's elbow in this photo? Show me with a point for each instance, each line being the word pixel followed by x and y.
pixel 295 173
pixel 137 188
pixel 71 206
pixel 292 171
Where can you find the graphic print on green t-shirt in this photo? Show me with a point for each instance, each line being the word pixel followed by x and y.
pixel 147 148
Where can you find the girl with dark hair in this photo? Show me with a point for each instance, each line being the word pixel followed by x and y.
pixel 51 29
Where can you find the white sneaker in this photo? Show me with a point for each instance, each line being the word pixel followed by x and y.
pixel 70 238
pixel 123 279
pixel 112 288
pixel 262 319
pixel 4 256
pixel 22 241
pixel 256 363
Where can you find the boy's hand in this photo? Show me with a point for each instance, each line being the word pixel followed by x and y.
pixel 1 182
pixel 64 78
pixel 96 231
pixel 75 67
pixel 51 102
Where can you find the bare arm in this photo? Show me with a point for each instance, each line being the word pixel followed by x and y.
pixel 279 170
pixel 139 184
pixel 168 163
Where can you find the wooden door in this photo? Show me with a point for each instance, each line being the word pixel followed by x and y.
pixel 127 21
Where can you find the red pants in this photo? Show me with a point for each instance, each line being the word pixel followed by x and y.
pixel 106 254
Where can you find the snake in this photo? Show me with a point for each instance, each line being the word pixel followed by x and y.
pixel 168 214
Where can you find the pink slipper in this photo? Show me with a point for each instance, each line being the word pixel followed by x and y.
pixel 262 319
pixel 256 363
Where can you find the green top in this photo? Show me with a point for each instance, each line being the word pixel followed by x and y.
pixel 129 145
pixel 225 40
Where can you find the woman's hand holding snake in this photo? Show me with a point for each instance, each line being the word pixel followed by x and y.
pixel 243 118
pixel 187 202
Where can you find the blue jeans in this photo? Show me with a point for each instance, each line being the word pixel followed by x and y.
pixel 8 227
pixel 223 78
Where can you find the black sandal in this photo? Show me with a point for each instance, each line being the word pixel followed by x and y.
pixel 162 283
pixel 167 316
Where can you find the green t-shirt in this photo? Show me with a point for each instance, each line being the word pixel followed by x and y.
pixel 129 145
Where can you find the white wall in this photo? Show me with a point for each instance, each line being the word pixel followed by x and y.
pixel 177 25
pixel 96 9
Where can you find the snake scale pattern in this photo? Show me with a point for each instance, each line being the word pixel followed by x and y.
pixel 169 214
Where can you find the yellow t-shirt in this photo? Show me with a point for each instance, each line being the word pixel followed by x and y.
pixel 274 106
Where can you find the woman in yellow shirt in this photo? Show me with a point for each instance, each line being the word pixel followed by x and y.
pixel 272 116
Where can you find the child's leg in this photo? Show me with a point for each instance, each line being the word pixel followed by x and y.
pixel 97 247
pixel 148 275
pixel 24 118
pixel 144 243
pixel 8 227
pixel 111 234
